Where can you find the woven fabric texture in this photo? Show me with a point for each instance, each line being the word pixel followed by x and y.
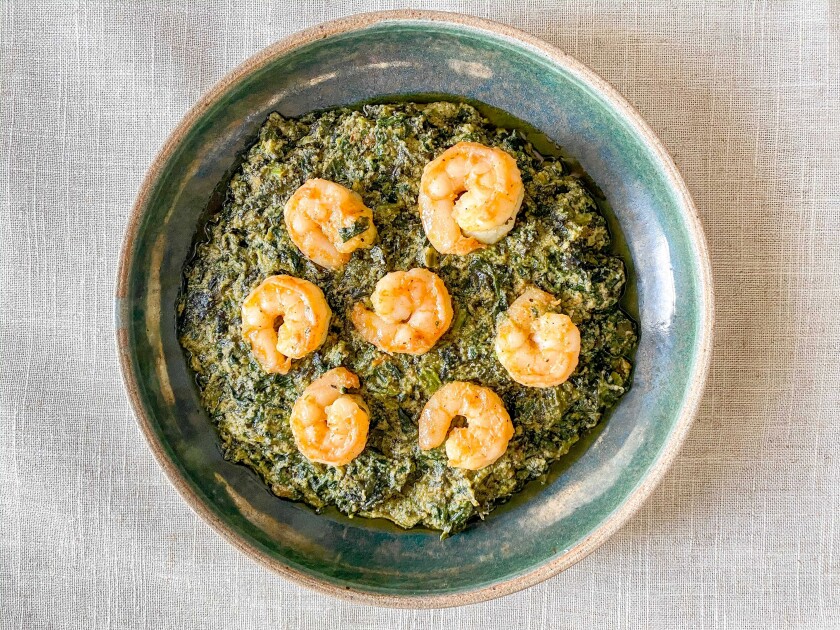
pixel 744 532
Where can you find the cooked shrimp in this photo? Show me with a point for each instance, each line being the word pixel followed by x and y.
pixel 411 310
pixel 537 347
pixel 329 425
pixel 469 195
pixel 488 430
pixel 328 222
pixel 284 318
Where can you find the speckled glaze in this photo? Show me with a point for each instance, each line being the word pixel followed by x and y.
pixel 547 528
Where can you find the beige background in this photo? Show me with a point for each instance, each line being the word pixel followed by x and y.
pixel 743 533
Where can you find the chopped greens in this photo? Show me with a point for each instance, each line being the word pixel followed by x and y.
pixel 560 243
pixel 346 233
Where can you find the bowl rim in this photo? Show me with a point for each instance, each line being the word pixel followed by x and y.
pixel 663 460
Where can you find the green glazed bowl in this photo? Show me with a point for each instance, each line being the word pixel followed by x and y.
pixel 549 527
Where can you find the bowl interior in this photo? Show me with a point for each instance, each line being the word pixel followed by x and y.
pixel 401 56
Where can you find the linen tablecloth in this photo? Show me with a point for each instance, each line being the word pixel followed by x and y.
pixel 744 532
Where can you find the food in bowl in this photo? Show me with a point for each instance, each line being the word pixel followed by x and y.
pixel 404 311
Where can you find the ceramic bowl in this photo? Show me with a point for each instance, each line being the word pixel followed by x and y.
pixel 550 526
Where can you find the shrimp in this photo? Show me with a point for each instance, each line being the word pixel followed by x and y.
pixel 284 318
pixel 411 310
pixel 488 430
pixel 328 222
pixel 329 425
pixel 537 347
pixel 469 196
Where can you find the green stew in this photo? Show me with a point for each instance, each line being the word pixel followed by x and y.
pixel 560 243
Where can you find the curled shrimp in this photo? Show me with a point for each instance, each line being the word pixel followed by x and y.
pixel 284 318
pixel 488 430
pixel 537 347
pixel 469 196
pixel 329 425
pixel 328 222
pixel 411 310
